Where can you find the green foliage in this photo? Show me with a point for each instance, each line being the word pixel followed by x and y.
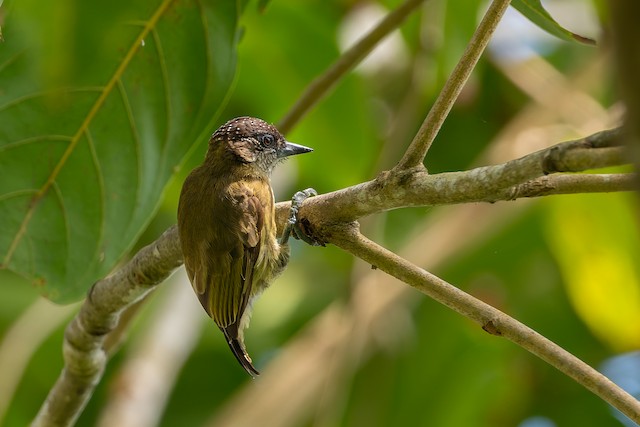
pixel 612 251
pixel 100 103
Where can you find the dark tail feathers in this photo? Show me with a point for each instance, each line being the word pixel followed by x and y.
pixel 241 354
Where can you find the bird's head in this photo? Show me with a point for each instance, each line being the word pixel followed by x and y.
pixel 248 140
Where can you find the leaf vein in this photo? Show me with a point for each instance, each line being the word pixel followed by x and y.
pixel 150 24
pixel 164 72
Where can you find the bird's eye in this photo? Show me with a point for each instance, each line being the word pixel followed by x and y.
pixel 267 140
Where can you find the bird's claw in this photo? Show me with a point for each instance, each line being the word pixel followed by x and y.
pixel 296 203
pixel 293 226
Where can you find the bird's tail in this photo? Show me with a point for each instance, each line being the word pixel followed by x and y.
pixel 240 353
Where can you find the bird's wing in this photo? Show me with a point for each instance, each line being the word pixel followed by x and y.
pixel 221 261
pixel 224 285
pixel 250 224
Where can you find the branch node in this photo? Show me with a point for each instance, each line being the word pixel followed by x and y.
pixel 491 327
pixel 382 179
pixel 348 230
pixel 311 232
pixel 552 161
pixel 534 188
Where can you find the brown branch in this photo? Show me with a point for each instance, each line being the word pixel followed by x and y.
pixel 572 184
pixel 492 320
pixel 415 187
pixel 84 355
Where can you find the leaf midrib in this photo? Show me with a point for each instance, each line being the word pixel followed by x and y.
pixel 148 27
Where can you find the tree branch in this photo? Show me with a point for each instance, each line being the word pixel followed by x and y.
pixel 414 155
pixel 415 187
pixel 84 355
pixel 319 87
pixel 492 320
pixel 572 184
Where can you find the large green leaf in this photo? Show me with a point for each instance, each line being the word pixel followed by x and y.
pixel 536 13
pixel 99 103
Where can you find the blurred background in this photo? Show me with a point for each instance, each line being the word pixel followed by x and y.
pixel 340 344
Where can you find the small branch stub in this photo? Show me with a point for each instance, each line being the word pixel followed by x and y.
pixel 492 328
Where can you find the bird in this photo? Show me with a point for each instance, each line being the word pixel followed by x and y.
pixel 227 227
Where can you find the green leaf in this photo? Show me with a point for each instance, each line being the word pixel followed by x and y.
pixel 594 241
pixel 99 105
pixel 533 10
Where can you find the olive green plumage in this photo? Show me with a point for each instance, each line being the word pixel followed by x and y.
pixel 226 222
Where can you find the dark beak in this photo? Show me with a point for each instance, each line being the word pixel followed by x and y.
pixel 291 149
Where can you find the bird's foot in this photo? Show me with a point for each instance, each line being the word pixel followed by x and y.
pixel 293 227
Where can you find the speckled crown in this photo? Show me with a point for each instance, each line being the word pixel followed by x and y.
pixel 242 127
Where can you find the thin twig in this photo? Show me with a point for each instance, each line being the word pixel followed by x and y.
pixel 452 88
pixel 319 87
pixel 489 318
pixel 572 184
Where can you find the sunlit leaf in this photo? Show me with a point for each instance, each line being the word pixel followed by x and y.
pixel 536 13
pixel 99 104
pixel 595 245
